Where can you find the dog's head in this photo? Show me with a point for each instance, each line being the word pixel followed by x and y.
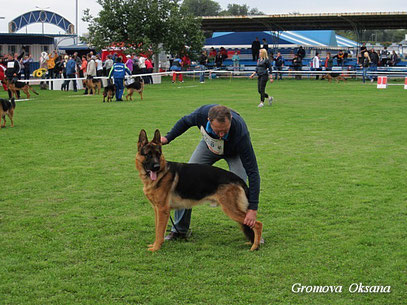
pixel 149 157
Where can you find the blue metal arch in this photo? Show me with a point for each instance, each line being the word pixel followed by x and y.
pixel 40 16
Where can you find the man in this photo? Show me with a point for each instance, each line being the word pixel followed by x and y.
pixel 12 70
pixel 279 62
pixel 70 70
pixel 119 70
pixel 225 136
pixel 316 65
pixel 301 53
pixel 265 45
pixel 255 49
pixel 374 61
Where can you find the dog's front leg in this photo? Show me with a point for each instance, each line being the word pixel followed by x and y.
pixel 163 214
pixel 156 223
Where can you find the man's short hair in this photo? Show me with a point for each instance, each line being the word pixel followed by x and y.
pixel 219 113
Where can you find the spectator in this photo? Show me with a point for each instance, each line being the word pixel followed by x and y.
pixel 340 58
pixel 176 67
pixel 84 65
pixel 129 63
pixel 265 45
pixel 394 59
pixel 186 62
pixel 13 70
pixel 224 53
pixel 329 62
pixel 385 57
pixel 363 49
pixel 26 66
pixel 51 64
pixel 297 65
pixel 99 66
pixel 279 62
pixel 203 59
pixel 316 65
pixel 212 57
pixel 365 65
pixel 107 65
pixel 374 61
pixel 142 65
pixel 219 60
pixel 255 49
pixel 149 70
pixel 119 70
pixel 301 53
pixel 236 61
pixel 71 71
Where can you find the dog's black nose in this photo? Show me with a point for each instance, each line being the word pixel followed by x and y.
pixel 156 167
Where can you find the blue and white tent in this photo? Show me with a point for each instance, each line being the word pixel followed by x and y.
pixel 286 39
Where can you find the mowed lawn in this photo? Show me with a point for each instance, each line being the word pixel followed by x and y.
pixel 75 224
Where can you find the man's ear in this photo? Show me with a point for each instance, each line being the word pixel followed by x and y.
pixel 142 139
pixel 157 137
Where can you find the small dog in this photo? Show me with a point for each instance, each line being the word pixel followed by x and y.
pixel 7 108
pixel 172 185
pixel 93 85
pixel 137 85
pixel 15 86
pixel 108 92
pixel 336 76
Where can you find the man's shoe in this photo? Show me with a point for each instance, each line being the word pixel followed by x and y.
pixel 175 236
pixel 270 100
pixel 260 105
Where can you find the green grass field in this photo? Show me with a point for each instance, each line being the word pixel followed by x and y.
pixel 75 225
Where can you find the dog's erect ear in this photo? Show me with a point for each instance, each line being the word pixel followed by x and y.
pixel 157 137
pixel 142 139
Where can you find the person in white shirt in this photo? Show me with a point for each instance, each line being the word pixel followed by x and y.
pixel 316 64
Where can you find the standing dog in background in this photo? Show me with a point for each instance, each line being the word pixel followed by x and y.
pixel 7 108
pixel 15 86
pixel 136 85
pixel 172 185
pixel 108 92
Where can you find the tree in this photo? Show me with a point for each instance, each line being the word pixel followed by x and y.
pixel 240 10
pixel 202 7
pixel 145 24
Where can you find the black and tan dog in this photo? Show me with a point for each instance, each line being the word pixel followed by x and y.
pixel 137 85
pixel 7 108
pixel 171 185
pixel 108 92
pixel 336 76
pixel 15 86
pixel 93 85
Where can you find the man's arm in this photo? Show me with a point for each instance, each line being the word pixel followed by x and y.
pixel 183 125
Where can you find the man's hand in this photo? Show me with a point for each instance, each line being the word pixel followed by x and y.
pixel 250 219
pixel 164 140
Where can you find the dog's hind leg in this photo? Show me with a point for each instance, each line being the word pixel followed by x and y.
pixel 141 94
pixel 10 114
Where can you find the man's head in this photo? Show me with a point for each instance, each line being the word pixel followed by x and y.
pixel 220 118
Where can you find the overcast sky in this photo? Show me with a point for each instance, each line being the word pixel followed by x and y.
pixel 66 8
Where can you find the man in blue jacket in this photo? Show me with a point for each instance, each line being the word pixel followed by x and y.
pixel 119 71
pixel 224 136
pixel 70 70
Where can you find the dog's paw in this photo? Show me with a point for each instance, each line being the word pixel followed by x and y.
pixel 153 249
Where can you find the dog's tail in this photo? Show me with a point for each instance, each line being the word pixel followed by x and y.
pixel 248 232
pixel 32 90
pixel 13 103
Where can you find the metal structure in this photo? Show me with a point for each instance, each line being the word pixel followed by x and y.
pixel 299 22
pixel 41 16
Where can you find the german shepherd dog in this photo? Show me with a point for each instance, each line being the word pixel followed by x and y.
pixel 93 85
pixel 336 76
pixel 172 185
pixel 7 108
pixel 15 86
pixel 108 92
pixel 137 85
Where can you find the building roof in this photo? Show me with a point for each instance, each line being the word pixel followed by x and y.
pixel 301 22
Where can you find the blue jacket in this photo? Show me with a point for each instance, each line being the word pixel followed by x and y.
pixel 119 70
pixel 238 143
pixel 70 67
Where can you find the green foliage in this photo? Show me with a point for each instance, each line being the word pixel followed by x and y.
pixel 75 224
pixel 144 24
pixel 202 7
pixel 385 37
